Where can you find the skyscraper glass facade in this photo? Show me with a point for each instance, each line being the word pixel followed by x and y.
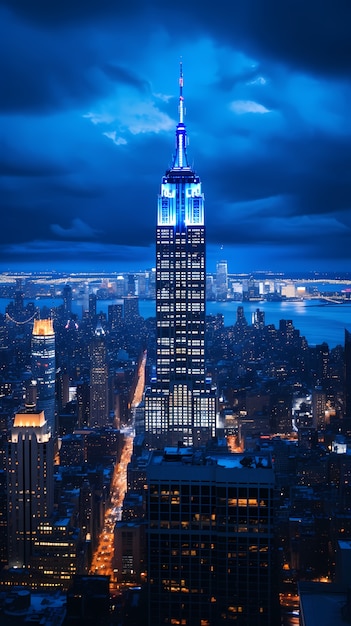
pixel 43 368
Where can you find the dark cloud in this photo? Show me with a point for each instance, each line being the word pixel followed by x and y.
pixel 58 12
pixel 124 76
pixel 309 35
pixel 26 168
pixel 88 109
pixel 40 73
pixel 313 35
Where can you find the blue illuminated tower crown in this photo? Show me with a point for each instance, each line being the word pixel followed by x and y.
pixel 173 209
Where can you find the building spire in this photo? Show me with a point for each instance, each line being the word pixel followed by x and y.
pixel 181 99
pixel 180 159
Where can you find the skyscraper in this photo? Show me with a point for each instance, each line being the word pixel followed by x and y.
pixel 347 373
pixel 98 380
pixel 44 369
pixel 67 301
pixel 30 483
pixel 181 404
pixel 92 307
pixel 211 557
pixel 222 280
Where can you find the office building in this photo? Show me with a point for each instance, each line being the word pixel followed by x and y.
pixel 131 310
pixel 325 604
pixel 347 380
pixel 319 405
pixel 30 483
pixel 180 406
pixel 88 600
pixel 222 280
pixel 44 369
pixel 129 557
pixel 258 319
pixel 67 301
pixel 211 550
pixel 99 411
pixel 115 316
pixel 92 307
pixel 3 518
pixel 57 553
pixel 83 402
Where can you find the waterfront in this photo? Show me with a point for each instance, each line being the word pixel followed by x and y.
pixel 316 321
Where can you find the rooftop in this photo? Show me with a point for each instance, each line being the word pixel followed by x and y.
pixel 195 456
pixel 29 420
pixel 323 604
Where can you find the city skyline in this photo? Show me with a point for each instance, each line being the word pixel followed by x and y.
pixel 89 108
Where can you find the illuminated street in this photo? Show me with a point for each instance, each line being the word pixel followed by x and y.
pixel 140 382
pixel 103 556
pixel 102 561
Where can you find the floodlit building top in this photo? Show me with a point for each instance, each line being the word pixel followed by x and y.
pixel 43 327
pixel 29 420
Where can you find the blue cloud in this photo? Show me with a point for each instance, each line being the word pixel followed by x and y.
pixel 88 115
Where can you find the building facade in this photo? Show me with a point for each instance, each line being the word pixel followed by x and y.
pixel 222 280
pixel 44 369
pixel 30 486
pixel 99 407
pixel 347 379
pixel 211 556
pixel 181 404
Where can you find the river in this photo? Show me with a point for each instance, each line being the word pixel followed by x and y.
pixel 317 322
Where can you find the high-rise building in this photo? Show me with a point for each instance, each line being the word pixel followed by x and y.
pixel 211 556
pixel 92 307
pixel 258 319
pixel 222 280
pixel 115 316
pixel 67 301
pixel 30 483
pixel 322 358
pixel 83 401
pixel 347 370
pixel 319 406
pixel 43 368
pixel 180 404
pixel 3 518
pixel 98 380
pixel 131 310
pixel 57 553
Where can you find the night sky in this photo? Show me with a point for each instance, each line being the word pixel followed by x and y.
pixel 89 105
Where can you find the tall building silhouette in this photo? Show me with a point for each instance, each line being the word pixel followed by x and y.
pixel 98 380
pixel 131 310
pixel 211 557
pixel 30 483
pixel 92 307
pixel 44 369
pixel 180 406
pixel 115 316
pixel 222 280
pixel 347 373
pixel 67 301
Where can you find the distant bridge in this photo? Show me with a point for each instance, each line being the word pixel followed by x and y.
pixel 334 300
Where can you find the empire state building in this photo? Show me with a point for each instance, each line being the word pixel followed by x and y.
pixel 181 405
